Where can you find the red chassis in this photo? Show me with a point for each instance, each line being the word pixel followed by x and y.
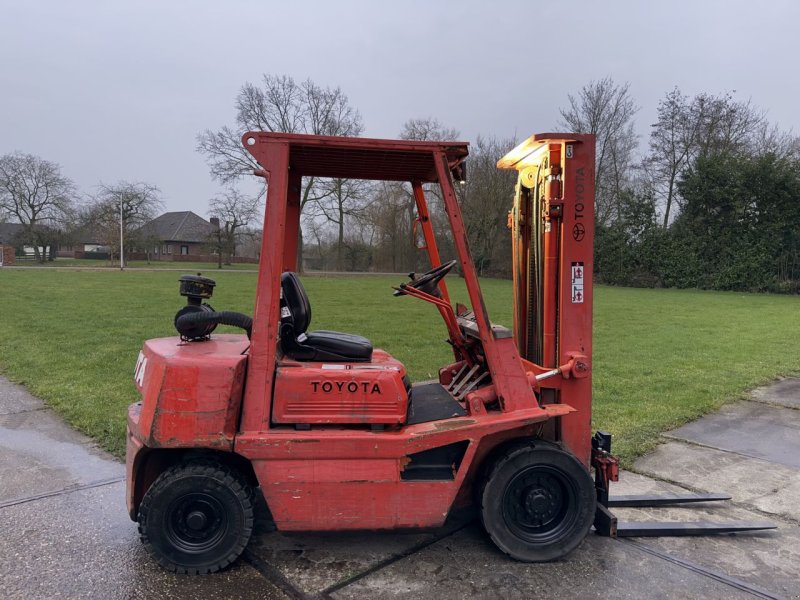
pixel 347 444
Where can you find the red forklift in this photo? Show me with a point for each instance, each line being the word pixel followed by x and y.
pixel 330 432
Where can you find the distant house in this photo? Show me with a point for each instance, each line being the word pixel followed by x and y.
pixel 9 240
pixel 84 242
pixel 178 234
pixel 14 234
pixel 10 233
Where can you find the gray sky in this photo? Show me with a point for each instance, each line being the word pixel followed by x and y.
pixel 118 89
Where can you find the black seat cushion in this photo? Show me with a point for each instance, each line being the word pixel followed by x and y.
pixel 353 347
pixel 316 345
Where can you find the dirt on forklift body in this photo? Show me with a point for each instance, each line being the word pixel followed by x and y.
pixel 330 431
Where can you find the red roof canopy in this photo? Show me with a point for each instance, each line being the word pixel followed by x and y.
pixel 360 158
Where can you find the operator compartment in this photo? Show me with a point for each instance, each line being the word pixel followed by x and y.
pixel 345 393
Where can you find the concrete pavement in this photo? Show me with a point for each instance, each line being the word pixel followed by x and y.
pixel 65 533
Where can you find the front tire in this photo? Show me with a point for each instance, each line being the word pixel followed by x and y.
pixel 197 517
pixel 538 502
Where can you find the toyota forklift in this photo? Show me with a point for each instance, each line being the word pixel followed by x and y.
pixel 328 431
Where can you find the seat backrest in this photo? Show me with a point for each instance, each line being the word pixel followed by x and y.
pixel 296 300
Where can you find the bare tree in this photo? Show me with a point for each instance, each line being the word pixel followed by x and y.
pixel 425 129
pixel 486 199
pixel 690 128
pixel 36 193
pixel 249 242
pixel 390 228
pixel 341 201
pixel 320 242
pixel 278 104
pixel 428 129
pixel 606 109
pixel 133 204
pixel 672 139
pixel 724 124
pixel 232 212
pixel 772 139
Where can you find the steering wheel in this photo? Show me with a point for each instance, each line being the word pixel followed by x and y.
pixel 428 282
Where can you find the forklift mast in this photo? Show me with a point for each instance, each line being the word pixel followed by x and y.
pixel 552 225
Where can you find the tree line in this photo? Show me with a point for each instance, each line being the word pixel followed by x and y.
pixel 710 201
pixel 352 225
pixel 35 194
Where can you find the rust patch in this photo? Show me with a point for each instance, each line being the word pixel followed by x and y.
pixel 447 425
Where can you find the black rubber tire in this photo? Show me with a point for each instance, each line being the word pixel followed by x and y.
pixel 537 502
pixel 197 517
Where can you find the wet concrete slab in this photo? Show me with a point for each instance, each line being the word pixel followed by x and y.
pixel 766 560
pixel 761 491
pixel 15 398
pixel 466 565
pixel 40 454
pixel 82 544
pixel 754 429
pixel 785 392
pixel 316 562
pixel 767 487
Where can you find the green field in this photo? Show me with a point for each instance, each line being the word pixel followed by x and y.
pixel 662 357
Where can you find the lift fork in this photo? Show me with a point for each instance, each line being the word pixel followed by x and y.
pixel 606 468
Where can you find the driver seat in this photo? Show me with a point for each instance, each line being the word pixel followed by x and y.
pixel 322 345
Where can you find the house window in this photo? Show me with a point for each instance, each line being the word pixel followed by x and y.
pixel 164 249
pixel 184 250
pixel 169 248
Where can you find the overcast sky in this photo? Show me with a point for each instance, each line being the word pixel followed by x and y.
pixel 119 90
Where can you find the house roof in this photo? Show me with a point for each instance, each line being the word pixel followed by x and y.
pixel 183 226
pixel 8 231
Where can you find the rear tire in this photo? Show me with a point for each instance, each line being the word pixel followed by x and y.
pixel 538 502
pixel 197 517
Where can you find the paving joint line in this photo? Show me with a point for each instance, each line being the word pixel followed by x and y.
pixel 675 438
pixel 22 412
pixel 326 593
pixel 744 505
pixel 774 404
pixel 706 572
pixel 68 490
pixel 274 576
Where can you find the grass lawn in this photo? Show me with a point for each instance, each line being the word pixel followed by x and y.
pixel 662 357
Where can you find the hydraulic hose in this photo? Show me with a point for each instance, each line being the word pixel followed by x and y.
pixel 189 323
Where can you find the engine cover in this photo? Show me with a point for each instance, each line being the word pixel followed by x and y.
pixel 341 393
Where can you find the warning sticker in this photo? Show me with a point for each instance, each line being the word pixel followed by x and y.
pixel 577 283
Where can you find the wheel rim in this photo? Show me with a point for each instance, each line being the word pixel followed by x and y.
pixel 540 503
pixel 196 522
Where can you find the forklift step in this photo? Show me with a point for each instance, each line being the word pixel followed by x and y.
pixel 679 529
pixel 664 499
pixel 432 402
